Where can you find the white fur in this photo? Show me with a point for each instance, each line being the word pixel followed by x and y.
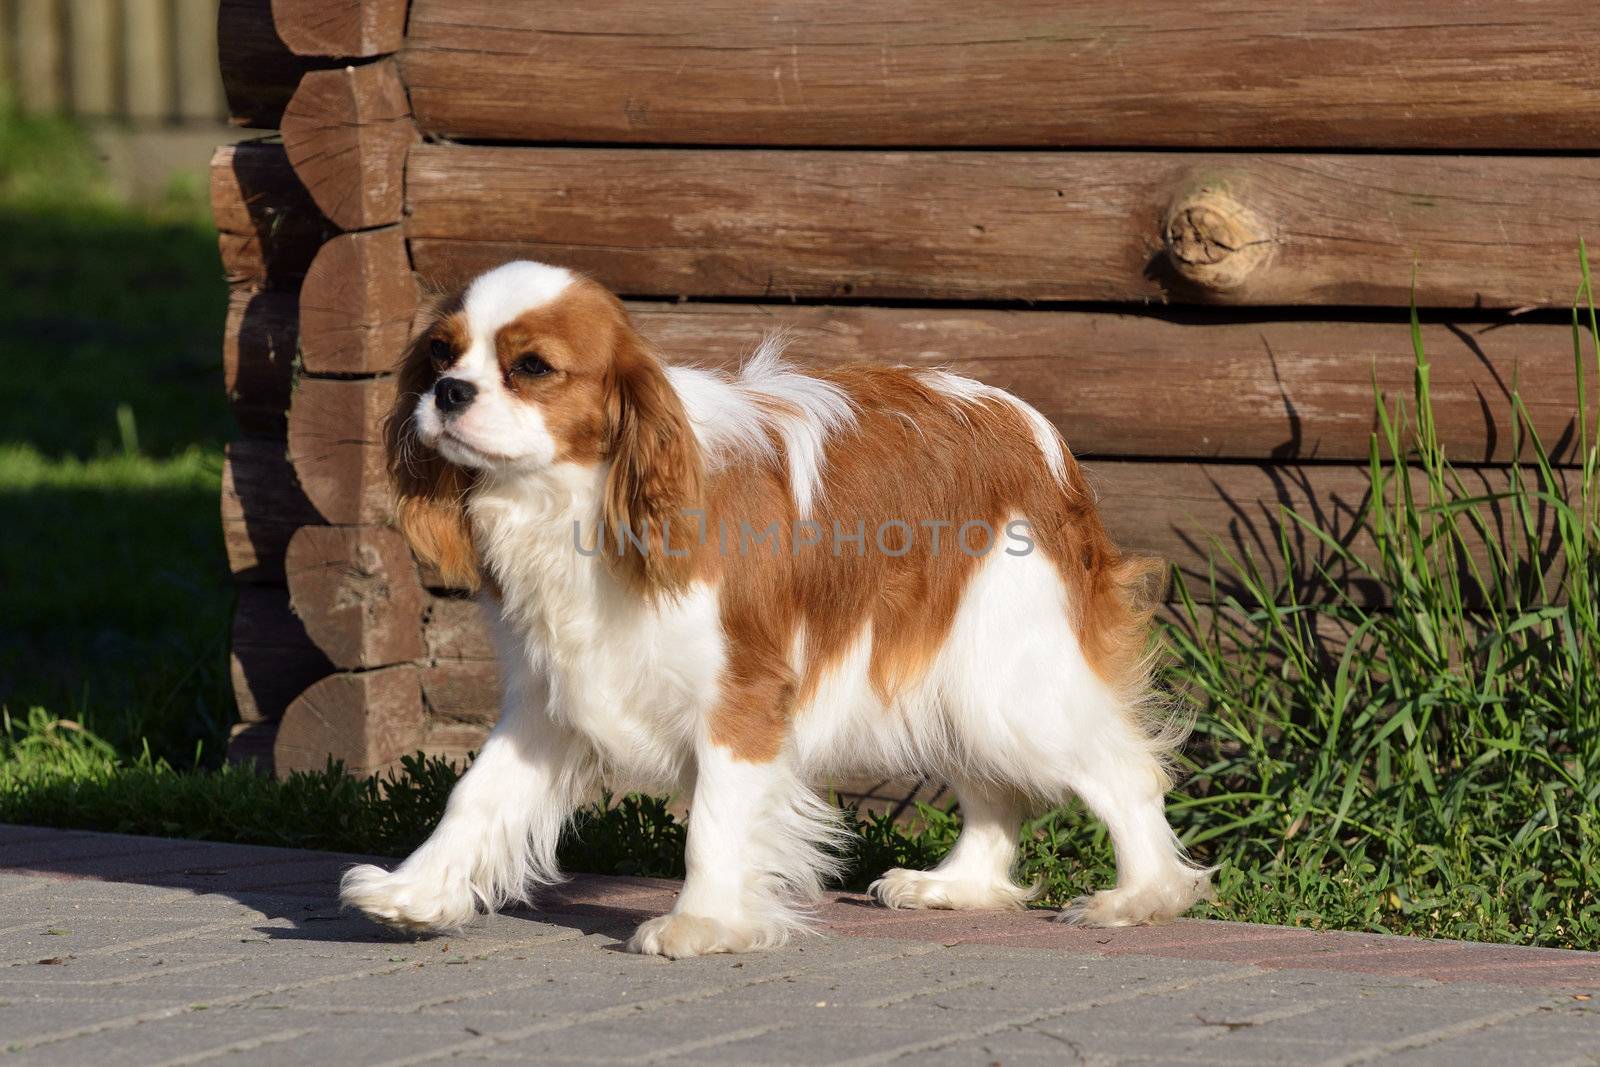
pixel 498 297
pixel 968 391
pixel 735 418
pixel 603 686
pixel 761 843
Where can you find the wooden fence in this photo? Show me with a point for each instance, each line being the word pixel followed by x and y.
pixel 141 60
pixel 1186 230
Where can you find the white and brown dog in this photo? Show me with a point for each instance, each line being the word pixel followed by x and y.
pixel 740 585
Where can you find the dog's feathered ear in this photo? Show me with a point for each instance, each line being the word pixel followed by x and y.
pixel 656 476
pixel 430 492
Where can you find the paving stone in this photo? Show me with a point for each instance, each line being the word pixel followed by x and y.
pixel 841 1035
pixel 188 953
pixel 1027 1046
pixel 1496 1046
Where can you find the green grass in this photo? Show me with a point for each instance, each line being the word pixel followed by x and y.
pixel 114 597
pixel 1438 773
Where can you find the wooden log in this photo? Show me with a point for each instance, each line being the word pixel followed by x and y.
pixel 268 228
pixel 357 304
pixel 346 132
pixel 1181 385
pixel 259 71
pixel 454 628
pixel 366 719
pixel 356 591
pixel 250 744
pixel 1091 226
pixel 1167 385
pixel 896 797
pixel 336 446
pixel 262 506
pixel 1176 73
pixel 462 691
pixel 1169 508
pixel 1224 629
pixel 460 678
pixel 456 743
pixel 258 353
pixel 354 28
pixel 460 651
pixel 272 659
pixel 1183 512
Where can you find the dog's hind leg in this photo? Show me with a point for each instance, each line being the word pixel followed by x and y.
pixel 1123 783
pixel 977 873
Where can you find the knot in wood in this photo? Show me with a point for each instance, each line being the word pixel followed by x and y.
pixel 1214 241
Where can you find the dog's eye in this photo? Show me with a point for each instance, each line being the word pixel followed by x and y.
pixel 440 352
pixel 532 365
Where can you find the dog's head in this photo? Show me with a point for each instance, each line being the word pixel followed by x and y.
pixel 531 368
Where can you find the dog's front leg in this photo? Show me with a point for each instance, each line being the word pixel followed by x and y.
pixel 753 851
pixel 500 828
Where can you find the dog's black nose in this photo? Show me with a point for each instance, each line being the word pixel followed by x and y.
pixel 453 394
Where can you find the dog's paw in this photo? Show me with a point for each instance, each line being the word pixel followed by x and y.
pixel 421 903
pixel 901 888
pixel 678 936
pixel 1137 905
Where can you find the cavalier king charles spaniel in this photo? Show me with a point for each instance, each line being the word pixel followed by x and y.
pixel 738 586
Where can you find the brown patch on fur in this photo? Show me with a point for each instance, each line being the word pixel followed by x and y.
pixel 916 455
pixel 759 693
pixel 656 477
pixel 759 611
pixel 430 492
pixel 579 335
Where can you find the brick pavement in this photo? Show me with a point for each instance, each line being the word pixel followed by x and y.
pixel 130 950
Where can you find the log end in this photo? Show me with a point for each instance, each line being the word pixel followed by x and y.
pixel 357 304
pixel 356 591
pixel 367 721
pixel 346 133
pixel 336 446
pixel 352 28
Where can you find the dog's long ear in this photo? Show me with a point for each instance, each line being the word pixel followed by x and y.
pixel 656 477
pixel 430 492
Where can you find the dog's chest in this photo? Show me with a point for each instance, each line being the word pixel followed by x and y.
pixel 636 678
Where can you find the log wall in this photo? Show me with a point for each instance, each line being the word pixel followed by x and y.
pixel 1188 233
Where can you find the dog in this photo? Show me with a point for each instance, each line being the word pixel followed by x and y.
pixel 735 586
